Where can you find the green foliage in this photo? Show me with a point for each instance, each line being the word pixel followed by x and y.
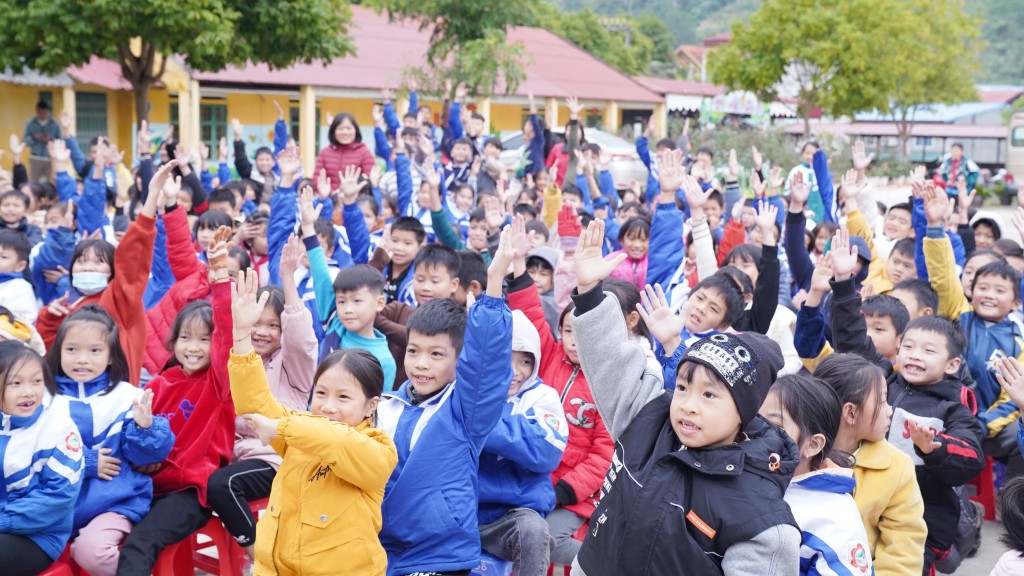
pixel 1003 22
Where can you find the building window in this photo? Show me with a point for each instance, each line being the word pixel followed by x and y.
pixel 293 125
pixel 213 124
pixel 593 121
pixel 173 115
pixel 923 141
pixel 90 115
pixel 1017 137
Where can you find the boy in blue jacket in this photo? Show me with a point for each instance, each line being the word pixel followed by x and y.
pixel 519 456
pixel 440 420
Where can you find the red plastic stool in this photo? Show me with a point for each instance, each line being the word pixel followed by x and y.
pixel 65 558
pixel 985 490
pixel 58 568
pixel 189 554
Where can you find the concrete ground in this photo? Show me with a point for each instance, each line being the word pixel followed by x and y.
pixel 991 549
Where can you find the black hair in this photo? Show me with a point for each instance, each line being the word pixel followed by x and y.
pixel 745 253
pixel 472 267
pixel 257 188
pixel 535 260
pixel 666 144
pixel 392 203
pixel 705 150
pixel 12 354
pixel 14 240
pixel 1008 248
pixel 408 131
pixel 592 147
pixel 815 409
pixel 983 252
pixel 223 194
pixel 439 255
pixel 538 228
pixel 357 277
pixel 572 189
pixel 828 227
pixel 101 249
pixel 276 299
pixel 636 225
pixel 338 119
pixel 729 290
pixel 92 314
pixel 410 224
pixel 923 292
pixel 810 143
pixel 902 206
pixel 493 141
pixel 195 311
pixel 957 145
pixel 640 210
pixel 239 254
pixel 478 215
pixel 526 210
pixel 565 312
pixel 263 150
pixel 409 114
pixel 956 341
pixel 742 279
pixel 853 378
pixel 628 296
pixel 18 195
pixel 325 230
pixel 1011 504
pixel 213 220
pixel 41 190
pixel 904 247
pixel 585 217
pixel 530 193
pixel 990 223
pixel 717 198
pixel 360 364
pixel 439 316
pixel 463 141
pixel 370 201
pixel 884 305
pixel 880 207
pixel 1001 269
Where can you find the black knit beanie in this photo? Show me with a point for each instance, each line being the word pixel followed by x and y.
pixel 747 362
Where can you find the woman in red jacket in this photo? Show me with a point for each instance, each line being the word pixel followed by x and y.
pixel 346 149
pixel 588 453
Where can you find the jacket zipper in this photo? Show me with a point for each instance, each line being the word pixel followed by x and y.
pixel 568 385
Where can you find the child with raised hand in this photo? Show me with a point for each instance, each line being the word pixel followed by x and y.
pixel 588 451
pixel 335 461
pixel 194 395
pixel 834 540
pixel 282 335
pixel 120 434
pixel 115 280
pixel 440 420
pixel 697 480
pixel 887 494
pixel 41 463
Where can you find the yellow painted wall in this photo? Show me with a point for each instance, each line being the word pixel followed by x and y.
pixel 508 116
pixel 19 105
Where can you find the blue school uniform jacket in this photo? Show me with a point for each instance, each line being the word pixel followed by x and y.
pixel 41 459
pixel 106 421
pixel 988 344
pixel 430 502
pixel 834 539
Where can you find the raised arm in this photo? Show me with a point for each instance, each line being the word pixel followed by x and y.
pixel 299 345
pixel 800 264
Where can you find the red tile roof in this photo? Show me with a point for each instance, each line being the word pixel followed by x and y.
pixel 694 54
pixel 101 72
pixel 718 39
pixel 671 86
pixel 556 67
pixel 999 96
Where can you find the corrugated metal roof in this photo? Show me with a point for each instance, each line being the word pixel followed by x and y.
pixel 556 68
pixel 29 77
pixel 939 112
pixel 935 130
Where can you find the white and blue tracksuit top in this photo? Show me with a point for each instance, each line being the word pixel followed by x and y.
pixel 834 542
pixel 527 444
pixel 41 457
pixel 430 502
pixel 106 421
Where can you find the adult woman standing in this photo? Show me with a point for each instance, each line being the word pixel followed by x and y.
pixel 346 149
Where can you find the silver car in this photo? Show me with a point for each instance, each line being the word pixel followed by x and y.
pixel 625 165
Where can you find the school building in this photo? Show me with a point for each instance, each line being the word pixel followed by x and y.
pixel 202 104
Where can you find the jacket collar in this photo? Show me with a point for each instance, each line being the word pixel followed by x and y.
pixel 874 455
pixel 69 387
pixel 767 452
pixel 11 422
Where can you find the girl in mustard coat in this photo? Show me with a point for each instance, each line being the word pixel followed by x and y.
pixel 325 503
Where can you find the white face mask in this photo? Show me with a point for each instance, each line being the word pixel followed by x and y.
pixel 89 283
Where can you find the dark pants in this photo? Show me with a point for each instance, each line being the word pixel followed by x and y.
pixel 231 487
pixel 171 519
pixel 1005 449
pixel 20 556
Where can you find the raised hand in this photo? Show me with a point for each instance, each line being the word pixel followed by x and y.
pixel 923 437
pixel 323 184
pixel 696 196
pixel 144 138
pixel 500 263
pixel 493 214
pixel 589 263
pixel 375 174
pixel 569 228
pixel 964 200
pixel 1011 377
pixel 844 256
pixel 169 192
pixel 799 190
pixel 670 174
pixel 378 116
pixel 280 112
pixel 17 147
pixel 757 156
pixel 766 218
pixel 734 166
pixel 204 152
pixel 265 428
pixel 917 175
pixel 522 241
pixel 246 308
pixel 67 123
pixel 760 188
pixel 775 181
pixel 861 161
pixel 425 143
pixel 308 213
pixel 574 106
pixel 142 409
pixel 290 257
pixel 936 204
pixel 60 155
pixel 222 150
pixel 236 128
pixel 460 92
pixel 820 279
pixel 159 179
pixel 107 467
pixel 1017 219
pixel 665 325
pixel 350 184
pixel 217 252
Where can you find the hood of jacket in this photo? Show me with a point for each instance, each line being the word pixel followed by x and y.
pixel 526 339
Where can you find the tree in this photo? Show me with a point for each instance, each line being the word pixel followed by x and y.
pixel 829 53
pixel 934 61
pixel 51 35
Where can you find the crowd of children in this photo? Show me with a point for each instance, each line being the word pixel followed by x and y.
pixel 423 358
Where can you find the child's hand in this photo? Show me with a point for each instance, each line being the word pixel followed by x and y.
pixel 665 325
pixel 1011 378
pixel 60 155
pixel 54 276
pixel 696 197
pixel 590 264
pixel 861 161
pixel 820 279
pixel 766 217
pixel 217 252
pixel 844 256
pixel 290 257
pixel 59 307
pixel 775 181
pixel 574 106
pixel 246 309
pixel 493 215
pixel 280 112
pixel 67 124
pixel 150 469
pixel 500 263
pixel 385 240
pixel 522 243
pixel 670 174
pixel 264 427
pixel 760 188
pixel 375 175
pixel 236 129
pixel 142 409
pixel 17 147
pixel 569 228
pixel 222 150
pixel 798 193
pixel 169 192
pixel 426 144
pixel 323 183
pixel 923 437
pixel 936 204
pixel 734 166
pixel 350 184
pixel 307 212
pixel 156 183
pixel 107 466
pixel 917 175
pixel 758 158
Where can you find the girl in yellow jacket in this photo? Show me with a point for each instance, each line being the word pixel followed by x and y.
pixel 325 503
pixel 887 494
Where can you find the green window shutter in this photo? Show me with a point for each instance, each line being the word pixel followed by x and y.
pixel 90 116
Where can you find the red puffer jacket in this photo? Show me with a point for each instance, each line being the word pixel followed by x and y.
pixel 336 157
pixel 191 282
pixel 588 453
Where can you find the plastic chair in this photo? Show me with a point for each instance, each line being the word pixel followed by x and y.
pixel 58 568
pixel 985 490
pixel 218 554
pixel 491 566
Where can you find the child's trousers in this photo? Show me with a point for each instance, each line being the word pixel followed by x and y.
pixel 562 524
pixel 96 548
pixel 521 535
pixel 20 556
pixel 229 490
pixel 172 518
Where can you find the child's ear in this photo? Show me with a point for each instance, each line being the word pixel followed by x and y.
pixel 632 320
pixel 928 311
pixel 812 446
pixel 849 413
pixel 953 365
pixel 381 302
pixel 476 288
pixel 20 267
pixel 455 285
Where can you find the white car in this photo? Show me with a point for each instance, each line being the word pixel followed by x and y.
pixel 625 165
